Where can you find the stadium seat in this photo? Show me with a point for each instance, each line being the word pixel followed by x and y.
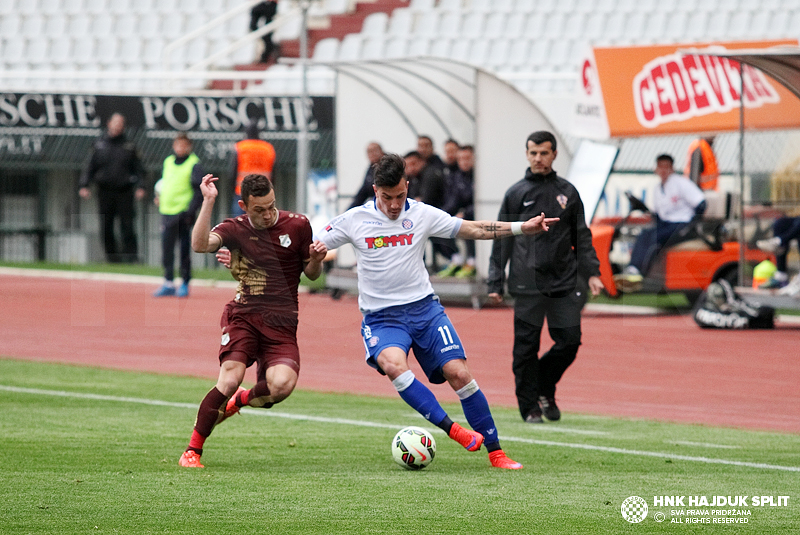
pixel 290 30
pixel 326 50
pixel 718 25
pixel 595 26
pixel 534 25
pixel 401 22
pixel 375 24
pixel 495 24
pixel 125 25
pixel 565 6
pixel 441 47
pixel 350 49
pixel 150 26
pixel 189 6
pixel 397 47
pixel 532 6
pixel 778 23
pixel 676 26
pixel 515 26
pixel 420 6
pixel 130 50
pixel 554 25
pixel 654 26
pixel 372 48
pixel 152 50
pixel 32 25
pixel 28 7
pixel 107 50
pixel 450 24
pixel 95 7
pixel 479 52
pixel 539 52
pixel 738 25
pixel 574 24
pixel 321 81
pixel 337 7
pixel 83 50
pixel 7 7
pixel 61 50
pixel 473 24
pixel 498 54
pixel 426 24
pixel 71 7
pixel 519 53
pixel 615 27
pixel 214 7
pixel 101 24
pixel 460 50
pixel 450 5
pixel 696 27
pixel 419 47
pixel 55 25
pixel 37 51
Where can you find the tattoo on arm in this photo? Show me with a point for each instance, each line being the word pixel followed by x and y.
pixel 492 227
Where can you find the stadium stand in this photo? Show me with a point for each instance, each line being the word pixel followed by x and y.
pixel 531 43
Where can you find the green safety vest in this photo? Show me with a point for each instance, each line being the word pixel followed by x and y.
pixel 175 186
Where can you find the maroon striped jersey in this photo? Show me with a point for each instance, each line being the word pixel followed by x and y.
pixel 267 262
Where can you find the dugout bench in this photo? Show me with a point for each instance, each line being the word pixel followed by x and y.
pixel 448 289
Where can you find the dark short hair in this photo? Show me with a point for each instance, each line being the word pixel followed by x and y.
pixel 453 141
pixel 541 137
pixel 413 154
pixel 255 185
pixel 467 147
pixel 424 136
pixel 251 129
pixel 389 171
pixel 665 157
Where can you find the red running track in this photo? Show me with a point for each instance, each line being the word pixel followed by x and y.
pixel 657 367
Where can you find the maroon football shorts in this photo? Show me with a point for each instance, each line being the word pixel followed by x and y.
pixel 264 337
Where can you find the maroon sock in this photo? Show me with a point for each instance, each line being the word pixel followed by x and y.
pixel 212 408
pixel 258 396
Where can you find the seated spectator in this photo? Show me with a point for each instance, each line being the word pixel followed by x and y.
pixel 459 202
pixel 374 154
pixel 450 156
pixel 426 183
pixel 784 231
pixel 425 149
pixel 677 203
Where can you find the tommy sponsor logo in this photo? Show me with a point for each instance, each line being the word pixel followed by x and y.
pixel 677 87
pixel 386 241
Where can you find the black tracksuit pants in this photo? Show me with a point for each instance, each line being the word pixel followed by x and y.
pixel 116 203
pixel 536 376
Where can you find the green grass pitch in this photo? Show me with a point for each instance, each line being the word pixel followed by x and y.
pixel 85 450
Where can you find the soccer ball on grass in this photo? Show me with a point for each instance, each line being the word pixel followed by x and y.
pixel 413 448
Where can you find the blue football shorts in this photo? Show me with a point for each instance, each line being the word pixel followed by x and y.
pixel 422 326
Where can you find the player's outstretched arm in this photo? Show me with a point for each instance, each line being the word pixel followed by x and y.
pixel 202 239
pixel 313 267
pixel 493 230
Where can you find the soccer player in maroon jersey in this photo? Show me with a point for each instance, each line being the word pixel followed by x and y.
pixel 270 248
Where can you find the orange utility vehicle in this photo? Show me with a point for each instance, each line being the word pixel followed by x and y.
pixel 687 267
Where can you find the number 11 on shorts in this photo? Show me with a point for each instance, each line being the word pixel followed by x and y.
pixel 444 330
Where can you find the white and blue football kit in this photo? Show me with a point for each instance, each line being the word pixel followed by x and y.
pixel 399 307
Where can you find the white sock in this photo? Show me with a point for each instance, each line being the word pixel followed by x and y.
pixel 404 380
pixel 466 391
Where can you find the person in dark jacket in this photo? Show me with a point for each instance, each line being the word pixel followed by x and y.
pixel 116 169
pixel 261 15
pixel 459 202
pixel 548 278
pixel 374 154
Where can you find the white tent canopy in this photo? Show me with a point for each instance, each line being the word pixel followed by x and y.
pixel 392 102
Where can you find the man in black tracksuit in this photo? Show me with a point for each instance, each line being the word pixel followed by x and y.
pixel 549 276
pixel 116 169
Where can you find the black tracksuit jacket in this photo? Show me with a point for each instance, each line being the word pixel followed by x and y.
pixel 550 263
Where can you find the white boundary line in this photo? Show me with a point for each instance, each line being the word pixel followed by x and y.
pixel 363 423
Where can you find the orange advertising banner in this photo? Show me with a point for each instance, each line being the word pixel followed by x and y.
pixel 657 90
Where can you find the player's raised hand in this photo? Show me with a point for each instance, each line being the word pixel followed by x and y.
pixel 318 251
pixel 207 187
pixel 538 224
pixel 224 257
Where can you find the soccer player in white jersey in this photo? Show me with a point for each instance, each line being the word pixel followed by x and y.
pixel 400 309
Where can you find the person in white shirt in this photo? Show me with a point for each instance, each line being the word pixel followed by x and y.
pixel 677 203
pixel 400 309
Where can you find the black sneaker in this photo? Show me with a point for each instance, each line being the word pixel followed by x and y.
pixel 534 417
pixel 549 408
